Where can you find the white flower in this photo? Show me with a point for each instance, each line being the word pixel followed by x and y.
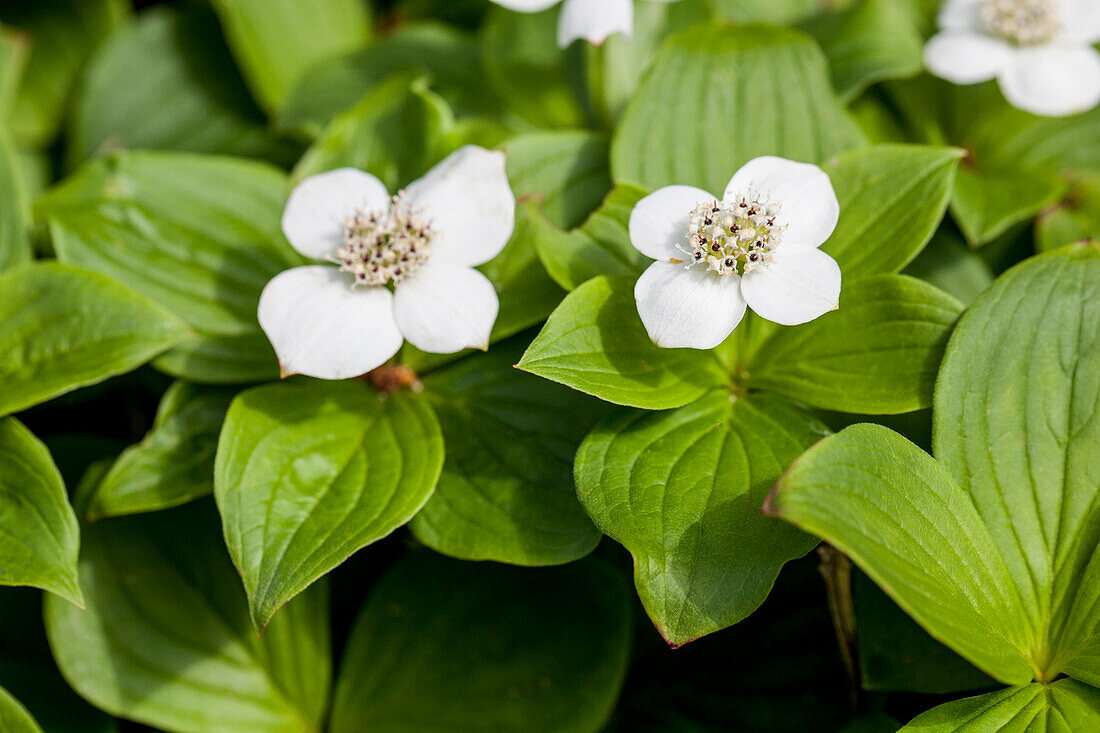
pixel 592 20
pixel 757 246
pixel 341 320
pixel 1040 51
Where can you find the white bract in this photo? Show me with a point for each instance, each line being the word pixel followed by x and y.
pixel 757 246
pixel 401 267
pixel 592 20
pixel 1040 51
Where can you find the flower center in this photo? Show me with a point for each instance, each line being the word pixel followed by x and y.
pixel 384 247
pixel 1024 22
pixel 733 237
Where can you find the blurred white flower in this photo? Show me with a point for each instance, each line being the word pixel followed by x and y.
pixel 592 20
pixel 341 320
pixel 757 246
pixel 1040 51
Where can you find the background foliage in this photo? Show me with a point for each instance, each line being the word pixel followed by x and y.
pixel 526 549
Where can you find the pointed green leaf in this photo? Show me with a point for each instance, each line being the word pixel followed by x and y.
pixel 174 464
pixel 601 246
pixel 198 234
pixel 595 342
pixel 14 718
pixel 506 492
pixel 309 472
pixel 901 517
pixel 39 537
pixel 892 199
pixel 166 638
pixel 682 491
pixel 677 130
pixel 877 354
pixel 444 645
pixel 62 328
pixel 1063 707
pixel 277 41
pixel 1016 424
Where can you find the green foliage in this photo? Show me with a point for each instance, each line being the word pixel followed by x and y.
pixel 441 644
pixel 62 328
pixel 437 523
pixel 506 490
pixel 277 41
pixel 166 616
pixel 682 490
pixel 309 472
pixel 40 541
pixel 805 122
pixel 198 234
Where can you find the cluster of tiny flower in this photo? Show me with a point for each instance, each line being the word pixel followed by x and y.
pixel 382 248
pixel 733 237
pixel 1024 22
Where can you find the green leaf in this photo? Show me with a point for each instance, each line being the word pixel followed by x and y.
pixel 892 198
pixel 62 328
pixel 14 47
pixel 309 472
pixel 1015 424
pixel 15 243
pixel 768 11
pixel 952 267
pixel 166 638
pixel 174 464
pixel 990 201
pixel 62 35
pixel 167 82
pixel 277 41
pixel 198 234
pixel 565 170
pixel 676 130
pixel 872 41
pixel 600 247
pixel 895 654
pixel 524 67
pixel 39 537
pixel 1062 707
pixel 1075 218
pixel 395 133
pixel 877 354
pixel 682 491
pixel 506 491
pixel 901 517
pixel 447 56
pixel 14 718
pixel 444 645
pixel 595 342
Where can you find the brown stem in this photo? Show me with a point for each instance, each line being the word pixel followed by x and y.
pixel 836 568
pixel 389 378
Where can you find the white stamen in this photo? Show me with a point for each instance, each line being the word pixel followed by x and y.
pixel 733 237
pixel 384 247
pixel 1023 22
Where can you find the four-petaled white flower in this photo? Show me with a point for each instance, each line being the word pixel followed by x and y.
pixel 592 20
pixel 1040 51
pixel 341 320
pixel 756 246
